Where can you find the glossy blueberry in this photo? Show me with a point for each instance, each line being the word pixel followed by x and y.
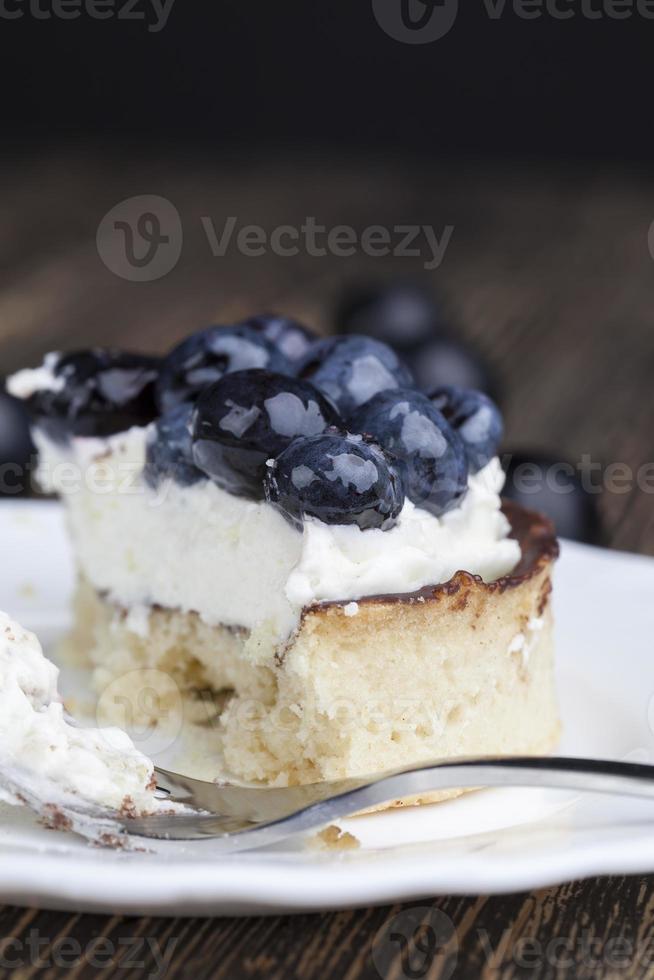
pixel 475 417
pixel 103 391
pixel 170 449
pixel 553 486
pixel 445 361
pixel 290 337
pixel 351 370
pixel 247 418
pixel 400 314
pixel 406 424
pixel 340 479
pixel 206 356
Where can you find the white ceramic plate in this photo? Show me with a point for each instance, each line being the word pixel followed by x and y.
pixel 493 841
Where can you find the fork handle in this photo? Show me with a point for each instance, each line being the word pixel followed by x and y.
pixel 551 772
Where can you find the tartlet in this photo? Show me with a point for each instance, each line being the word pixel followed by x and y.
pixel 465 667
pixel 374 609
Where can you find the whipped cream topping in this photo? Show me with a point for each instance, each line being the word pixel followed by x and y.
pixel 25 383
pixel 344 562
pixel 39 748
pixel 239 563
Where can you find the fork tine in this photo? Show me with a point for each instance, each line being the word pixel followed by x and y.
pixel 249 804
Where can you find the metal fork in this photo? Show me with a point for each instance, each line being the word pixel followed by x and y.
pixel 244 818
pixel 239 818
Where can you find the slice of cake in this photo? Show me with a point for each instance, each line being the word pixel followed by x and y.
pixel 283 543
pixel 49 762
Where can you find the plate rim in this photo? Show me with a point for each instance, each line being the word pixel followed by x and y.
pixel 244 887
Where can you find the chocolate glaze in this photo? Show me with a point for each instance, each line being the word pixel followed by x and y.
pixel 538 545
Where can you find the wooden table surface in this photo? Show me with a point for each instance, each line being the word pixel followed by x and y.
pixel 549 273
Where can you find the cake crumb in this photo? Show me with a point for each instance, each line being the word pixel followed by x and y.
pixel 517 643
pixel 351 609
pixel 332 838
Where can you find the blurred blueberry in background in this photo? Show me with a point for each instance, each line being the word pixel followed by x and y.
pixel 409 318
pixel 445 361
pixel 16 446
pixel 553 486
pixel 401 314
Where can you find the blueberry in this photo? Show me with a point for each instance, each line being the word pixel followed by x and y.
pixel 445 361
pixel 400 314
pixel 170 449
pixel 103 391
pixel 16 448
pixel 340 479
pixel 406 424
pixel 290 337
pixel 475 417
pixel 208 355
pixel 553 485
pixel 351 370
pixel 248 417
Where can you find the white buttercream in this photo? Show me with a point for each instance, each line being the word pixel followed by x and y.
pixel 23 384
pixel 343 562
pixel 193 548
pixel 238 562
pixel 37 744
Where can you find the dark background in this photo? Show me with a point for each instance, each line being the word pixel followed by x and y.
pixel 232 74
